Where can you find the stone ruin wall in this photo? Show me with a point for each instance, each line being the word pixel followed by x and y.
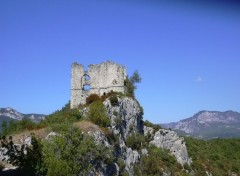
pixel 101 78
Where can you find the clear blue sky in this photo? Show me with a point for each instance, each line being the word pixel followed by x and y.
pixel 188 54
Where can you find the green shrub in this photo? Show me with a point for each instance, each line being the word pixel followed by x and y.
pixel 118 121
pixel 91 98
pixel 115 113
pixel 25 124
pixel 72 153
pixel 65 115
pixel 187 167
pixel 129 87
pixel 18 126
pixel 136 141
pixel 111 137
pixel 157 161
pixel 5 129
pixel 113 100
pixel 141 110
pixel 107 95
pixel 218 156
pixel 97 114
pixel 130 83
pixel 60 127
pixel 155 127
pixel 31 162
pixel 69 153
pixel 121 164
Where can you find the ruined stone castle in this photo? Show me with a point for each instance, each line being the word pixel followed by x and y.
pixel 99 79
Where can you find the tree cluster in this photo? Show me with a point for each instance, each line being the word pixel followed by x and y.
pixel 130 83
pixel 67 154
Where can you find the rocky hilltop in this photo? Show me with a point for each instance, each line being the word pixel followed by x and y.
pixel 127 129
pixel 130 114
pixel 209 124
pixel 8 114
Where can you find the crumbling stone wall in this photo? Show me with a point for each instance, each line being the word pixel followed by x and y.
pixel 100 78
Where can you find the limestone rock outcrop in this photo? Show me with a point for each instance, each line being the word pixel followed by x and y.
pixel 131 157
pixel 126 117
pixel 99 137
pixel 168 139
pixel 3 154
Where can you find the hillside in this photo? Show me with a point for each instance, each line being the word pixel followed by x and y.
pixel 7 114
pixel 209 125
pixel 217 156
pixel 115 125
pixel 107 136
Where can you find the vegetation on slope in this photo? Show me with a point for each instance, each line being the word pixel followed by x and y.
pixel 157 162
pixel 58 156
pixel 218 156
pixel 66 154
pixel 97 114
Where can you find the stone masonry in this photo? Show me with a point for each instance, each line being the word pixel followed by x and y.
pixel 99 79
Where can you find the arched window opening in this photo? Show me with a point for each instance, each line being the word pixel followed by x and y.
pixel 86 87
pixel 86 77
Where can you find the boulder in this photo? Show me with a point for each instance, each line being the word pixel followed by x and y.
pixel 168 139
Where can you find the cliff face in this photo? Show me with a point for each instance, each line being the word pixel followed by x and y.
pixel 126 117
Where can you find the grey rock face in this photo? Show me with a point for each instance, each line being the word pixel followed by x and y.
pixel 149 132
pixel 126 117
pixel 131 157
pixel 99 137
pixel 168 139
pixel 144 152
pixel 3 154
pixel 11 113
pixel 25 140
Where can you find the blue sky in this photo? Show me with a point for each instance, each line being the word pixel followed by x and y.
pixel 187 53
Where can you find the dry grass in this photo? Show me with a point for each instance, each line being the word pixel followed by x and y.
pixel 40 133
pixel 86 126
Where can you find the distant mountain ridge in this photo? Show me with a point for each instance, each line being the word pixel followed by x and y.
pixel 209 124
pixel 7 114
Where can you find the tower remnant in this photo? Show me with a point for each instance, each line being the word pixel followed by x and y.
pixel 99 79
